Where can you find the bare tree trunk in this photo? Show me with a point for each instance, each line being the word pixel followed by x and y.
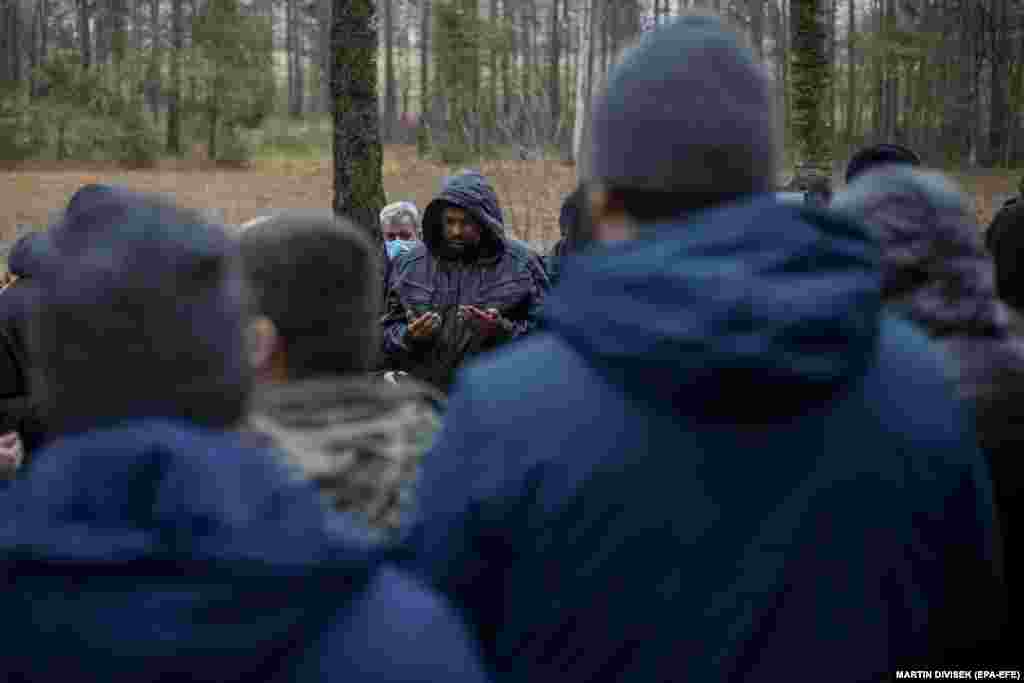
pixel 809 80
pixel 324 53
pixel 390 87
pixel 358 156
pixel 999 102
pixel 851 73
pixel 292 48
pixel 555 70
pixel 153 77
pixel 756 8
pixel 425 58
pixel 84 33
pixel 584 77
pixel 174 103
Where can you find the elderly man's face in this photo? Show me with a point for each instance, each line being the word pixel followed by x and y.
pixel 399 229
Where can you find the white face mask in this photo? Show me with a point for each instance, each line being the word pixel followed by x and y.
pixel 396 248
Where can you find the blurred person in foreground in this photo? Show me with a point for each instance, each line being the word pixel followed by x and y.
pixel 313 337
pixel 721 459
pixel 937 274
pixel 466 290
pixel 149 542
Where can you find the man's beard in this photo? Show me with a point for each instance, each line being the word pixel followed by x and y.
pixel 466 251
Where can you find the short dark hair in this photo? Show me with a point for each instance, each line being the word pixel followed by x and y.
pixel 141 314
pixel 652 206
pixel 316 277
pixel 879 155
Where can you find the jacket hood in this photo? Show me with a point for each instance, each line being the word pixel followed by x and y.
pixel 936 271
pixel 740 311
pixel 468 190
pixel 182 548
pixel 29 255
pixel 360 439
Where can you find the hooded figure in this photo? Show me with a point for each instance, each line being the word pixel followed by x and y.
pixel 719 458
pixel 20 408
pixel 148 544
pixel 471 296
pixel 574 235
pixel 937 275
pixel 1003 238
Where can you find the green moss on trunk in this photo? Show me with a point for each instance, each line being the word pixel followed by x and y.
pixel 358 156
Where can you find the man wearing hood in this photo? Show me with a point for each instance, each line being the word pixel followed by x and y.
pixel 467 289
pixel 21 425
pixel 720 460
pixel 149 542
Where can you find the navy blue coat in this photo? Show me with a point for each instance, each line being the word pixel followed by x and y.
pixel 156 551
pixel 720 461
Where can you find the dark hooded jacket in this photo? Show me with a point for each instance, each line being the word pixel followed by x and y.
pixel 503 274
pixel 938 275
pixel 20 408
pixel 157 551
pixel 734 464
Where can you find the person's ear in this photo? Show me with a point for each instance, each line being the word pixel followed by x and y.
pixel 609 221
pixel 263 344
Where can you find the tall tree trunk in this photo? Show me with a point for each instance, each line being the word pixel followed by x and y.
pixel 425 20
pixel 809 79
pixel 510 59
pixel 999 102
pixel 851 73
pixel 584 71
pixel 358 156
pixel 154 77
pixel 493 56
pixel 137 26
pixel 84 33
pixel 174 104
pixel 555 70
pixel 390 87
pixel 756 8
pixel 324 35
pixel 291 24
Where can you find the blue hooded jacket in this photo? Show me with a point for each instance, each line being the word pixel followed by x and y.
pixel 158 551
pixel 722 462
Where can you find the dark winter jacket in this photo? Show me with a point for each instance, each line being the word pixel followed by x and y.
pixel 155 551
pixel 574 231
pixel 938 275
pixel 1005 240
pixel 20 408
pixel 506 275
pixel 721 462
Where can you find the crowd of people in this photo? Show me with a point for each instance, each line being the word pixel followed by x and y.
pixel 712 435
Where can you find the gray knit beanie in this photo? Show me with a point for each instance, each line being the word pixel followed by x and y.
pixel 688 110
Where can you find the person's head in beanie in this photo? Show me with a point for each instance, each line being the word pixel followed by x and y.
pixel 685 124
pixel 877 156
pixel 144 317
pixel 312 277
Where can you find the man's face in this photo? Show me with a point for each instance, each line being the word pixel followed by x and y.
pixel 460 230
pixel 399 229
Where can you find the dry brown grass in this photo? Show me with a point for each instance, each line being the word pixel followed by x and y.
pixel 530 192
